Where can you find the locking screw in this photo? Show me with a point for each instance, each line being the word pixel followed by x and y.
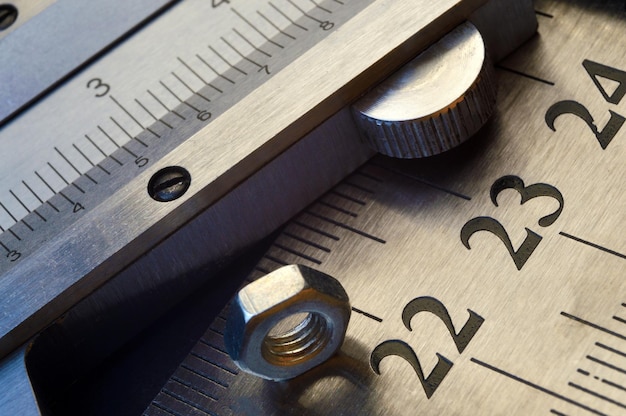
pixel 169 183
pixel 8 16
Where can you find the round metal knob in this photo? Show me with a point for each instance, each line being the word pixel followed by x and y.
pixel 435 102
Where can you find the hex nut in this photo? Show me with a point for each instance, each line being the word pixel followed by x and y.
pixel 264 303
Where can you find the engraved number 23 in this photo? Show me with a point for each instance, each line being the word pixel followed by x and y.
pixel 523 253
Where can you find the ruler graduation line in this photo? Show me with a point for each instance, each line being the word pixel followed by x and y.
pixel 89 160
pixel 269 23
pixel 127 112
pixel 320 7
pixel 610 349
pixel 166 107
pixel 536 387
pixel 620 320
pixel 304 13
pixel 614 385
pixel 164 409
pixel 204 376
pixel 102 152
pixel 606 364
pixel 214 364
pixel 296 24
pixel 594 245
pixel 207 99
pixel 2 244
pixel 595 394
pixel 130 136
pixel 544 14
pixel 186 401
pixel 275 26
pixel 338 209
pixel 160 120
pixel 424 182
pixel 316 230
pixel 595 326
pixel 346 227
pixel 14 234
pixel 184 102
pixel 233 66
pixel 348 197
pixel 238 52
pixel 256 48
pixel 25 207
pixel 74 167
pixel 306 241
pixel 525 75
pixel 602 380
pixel 256 29
pixel 68 199
pixel 194 388
pixel 208 344
pixel 276 260
pixel 297 253
pixel 366 314
pixel 219 74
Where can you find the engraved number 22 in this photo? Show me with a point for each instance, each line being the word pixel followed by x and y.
pixel 523 253
pixel 403 350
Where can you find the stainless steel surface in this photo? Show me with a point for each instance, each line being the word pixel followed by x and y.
pixel 517 22
pixel 26 10
pixel 81 114
pixel 99 324
pixel 100 241
pixel 17 397
pixel 258 347
pixel 435 102
pixel 456 323
pixel 55 37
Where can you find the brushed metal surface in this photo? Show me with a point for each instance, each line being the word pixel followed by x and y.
pixel 27 9
pixel 98 325
pixel 96 247
pixel 18 397
pixel 517 22
pixel 44 47
pixel 553 340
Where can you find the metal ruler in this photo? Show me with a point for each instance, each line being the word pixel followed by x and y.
pixel 486 281
pixel 71 199
pixel 543 276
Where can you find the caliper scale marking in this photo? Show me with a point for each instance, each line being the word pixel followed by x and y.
pixel 282 19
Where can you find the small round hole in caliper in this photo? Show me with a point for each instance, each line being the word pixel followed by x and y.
pixel 169 183
pixel 8 16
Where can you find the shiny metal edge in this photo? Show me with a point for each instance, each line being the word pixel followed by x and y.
pixel 97 248
pixel 17 396
pixel 516 23
pixel 32 60
pixel 27 9
pixel 99 324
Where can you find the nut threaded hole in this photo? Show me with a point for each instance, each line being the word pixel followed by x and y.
pixel 299 342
